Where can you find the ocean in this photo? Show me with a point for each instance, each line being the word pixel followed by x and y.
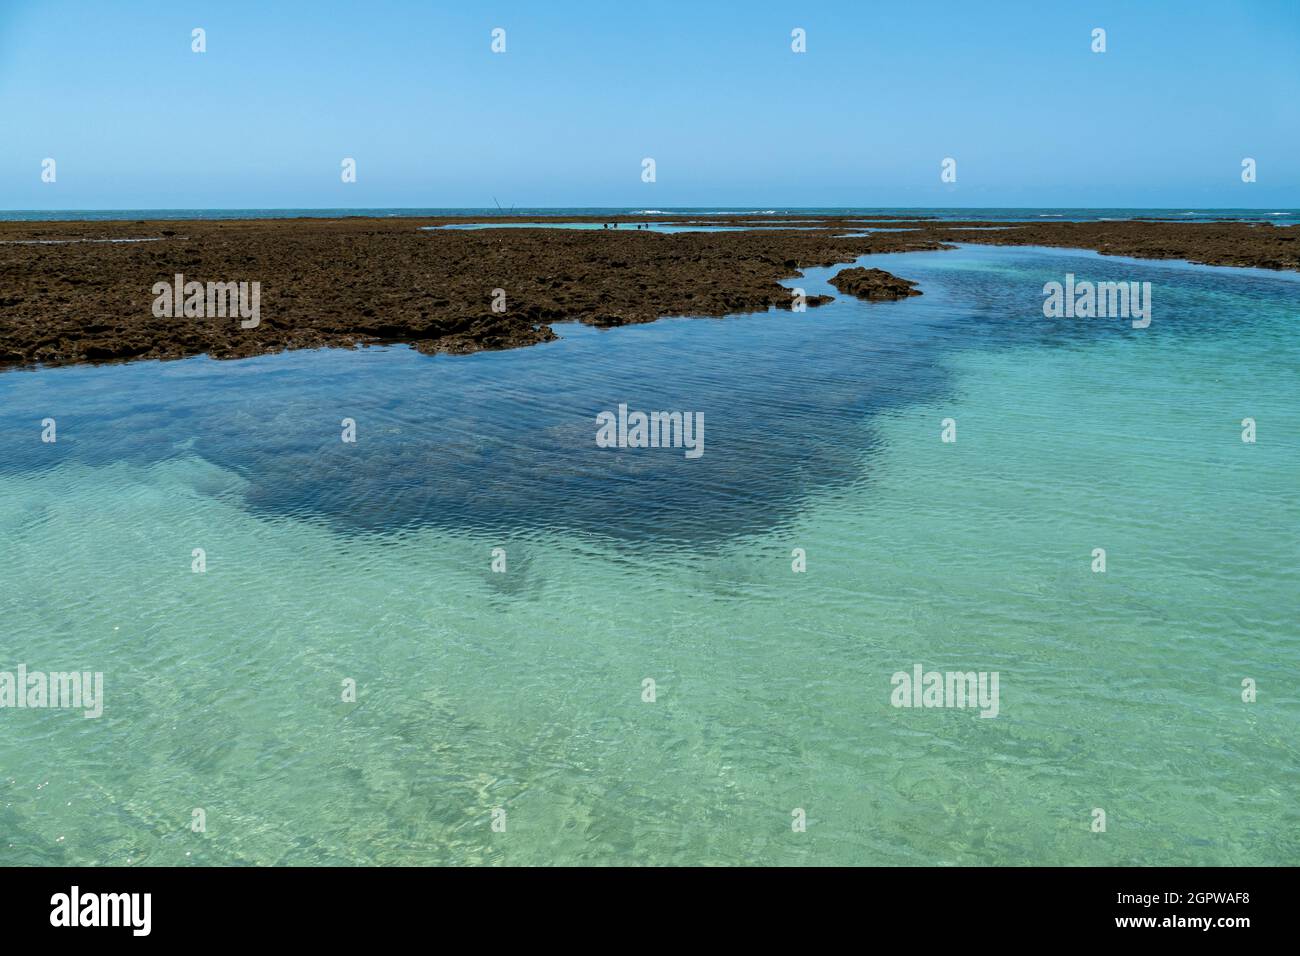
pixel 1284 217
pixel 504 716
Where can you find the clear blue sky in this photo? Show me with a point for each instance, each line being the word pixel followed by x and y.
pixel 710 90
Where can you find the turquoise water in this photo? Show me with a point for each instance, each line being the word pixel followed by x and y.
pixel 522 690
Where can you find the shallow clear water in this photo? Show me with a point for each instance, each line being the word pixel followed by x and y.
pixel 523 690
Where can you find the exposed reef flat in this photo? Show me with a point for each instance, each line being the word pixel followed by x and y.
pixel 67 295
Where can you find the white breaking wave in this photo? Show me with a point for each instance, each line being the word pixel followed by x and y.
pixel 63 242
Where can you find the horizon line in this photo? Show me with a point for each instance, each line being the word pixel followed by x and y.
pixel 680 207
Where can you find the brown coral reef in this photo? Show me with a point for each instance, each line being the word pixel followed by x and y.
pixel 73 292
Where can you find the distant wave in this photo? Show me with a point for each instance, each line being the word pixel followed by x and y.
pixel 61 242
pixel 692 212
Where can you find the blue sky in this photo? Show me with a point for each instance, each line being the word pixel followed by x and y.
pixel 710 90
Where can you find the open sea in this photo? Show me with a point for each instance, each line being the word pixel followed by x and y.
pixel 520 696
pixel 1283 217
